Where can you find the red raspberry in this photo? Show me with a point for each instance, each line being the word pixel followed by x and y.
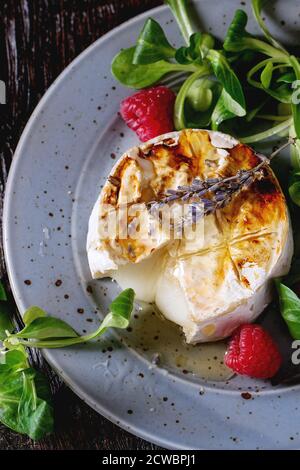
pixel 149 112
pixel 252 352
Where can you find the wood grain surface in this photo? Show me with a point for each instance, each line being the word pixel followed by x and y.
pixel 38 38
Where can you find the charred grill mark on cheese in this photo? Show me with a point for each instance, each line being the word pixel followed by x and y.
pixel 241 157
pixel 111 195
pixel 115 181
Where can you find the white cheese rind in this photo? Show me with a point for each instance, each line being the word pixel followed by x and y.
pixel 176 294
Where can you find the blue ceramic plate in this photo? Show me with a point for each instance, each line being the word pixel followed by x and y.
pixel 63 157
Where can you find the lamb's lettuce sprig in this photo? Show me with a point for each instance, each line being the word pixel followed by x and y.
pixel 25 398
pixel 180 11
pixel 232 100
pixel 43 331
pixel 152 45
pixel 211 84
pixel 238 39
pixel 144 75
pixel 274 75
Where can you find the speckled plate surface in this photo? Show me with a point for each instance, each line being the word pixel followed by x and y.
pixel 63 157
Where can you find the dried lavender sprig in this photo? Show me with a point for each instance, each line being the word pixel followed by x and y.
pixel 199 188
pixel 290 141
pixel 219 200
pixel 210 186
pixel 221 190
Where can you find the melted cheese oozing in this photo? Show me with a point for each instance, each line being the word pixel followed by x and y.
pixel 211 284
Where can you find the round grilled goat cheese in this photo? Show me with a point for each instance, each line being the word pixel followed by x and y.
pixel 216 281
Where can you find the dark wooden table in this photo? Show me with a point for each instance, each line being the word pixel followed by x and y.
pixel 38 38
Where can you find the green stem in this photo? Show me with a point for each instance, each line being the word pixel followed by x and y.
pixel 259 66
pixel 296 66
pixel 61 343
pixel 257 14
pixel 179 10
pixel 174 67
pixel 264 48
pixel 6 399
pixel 295 149
pixel 179 120
pixel 271 117
pixel 268 133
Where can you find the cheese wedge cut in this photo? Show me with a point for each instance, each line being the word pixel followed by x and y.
pixel 216 281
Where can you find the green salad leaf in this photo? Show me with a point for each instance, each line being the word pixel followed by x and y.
pixel 25 399
pixel 294 187
pixel 282 92
pixel 47 327
pixel 142 76
pixel 32 313
pixel 221 112
pixel 35 410
pixel 290 309
pixel 123 304
pixel 181 14
pixel 238 39
pixel 233 92
pixel 232 96
pixel 191 53
pixel 152 45
pixel 266 75
pixel 197 50
pixel 15 358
